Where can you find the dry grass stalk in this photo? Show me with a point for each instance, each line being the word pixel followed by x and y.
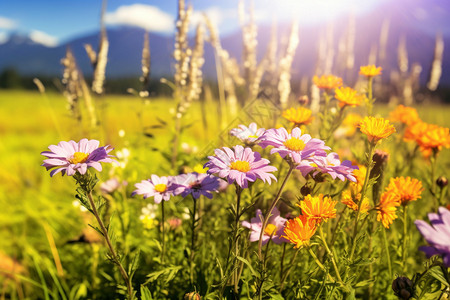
pixel 436 66
pixel 284 84
pixel 145 66
pixel 71 82
pixel 195 68
pixel 249 41
pixel 182 52
pixel 384 34
pixel 402 55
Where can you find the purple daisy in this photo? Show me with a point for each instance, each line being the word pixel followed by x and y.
pixel 241 165
pixel 274 229
pixel 294 145
pixel 437 234
pixel 196 184
pixel 249 135
pixel 331 164
pixel 71 157
pixel 158 187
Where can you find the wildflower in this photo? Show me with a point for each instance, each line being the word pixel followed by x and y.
pixel 299 230
pixel 348 126
pixel 348 97
pixel 294 145
pixel 161 188
pixel 198 168
pixel 376 128
pixel 430 138
pixel 299 116
pixel 403 287
pixel 386 209
pixel 240 166
pixel 319 208
pixel 111 185
pixel 195 184
pixel 405 189
pixel 404 114
pixel 327 82
pixel 331 164
pixel 437 234
pixel 148 216
pixel 273 230
pixel 248 135
pixel 348 200
pixel 174 223
pixel 71 157
pixel 370 71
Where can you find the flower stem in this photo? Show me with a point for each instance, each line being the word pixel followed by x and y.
pixel 291 264
pixel 386 248
pixel 370 96
pixel 236 238
pixel 269 212
pixel 192 255
pixel 114 255
pixel 163 233
pixel 405 237
pixel 330 254
pixel 321 266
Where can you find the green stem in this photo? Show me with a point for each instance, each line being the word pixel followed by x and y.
pixel 236 238
pixel 405 237
pixel 269 212
pixel 163 234
pixel 321 266
pixel 192 256
pixel 330 254
pixel 370 96
pixel 114 255
pixel 291 263
pixel 388 255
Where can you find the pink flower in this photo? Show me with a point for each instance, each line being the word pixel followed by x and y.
pixel 274 228
pixel 196 184
pixel 71 157
pixel 248 135
pixel 158 187
pixel 331 164
pixel 240 166
pixel 293 145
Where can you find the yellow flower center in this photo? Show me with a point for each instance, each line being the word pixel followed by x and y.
pixel 79 157
pixel 241 166
pixel 294 144
pixel 253 136
pixel 160 188
pixel 270 229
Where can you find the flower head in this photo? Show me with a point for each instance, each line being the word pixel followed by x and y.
pixel 348 126
pixel 248 135
pixel 437 234
pixel 376 128
pixel 404 114
pixel 327 82
pixel 300 230
pixel 348 97
pixel 158 187
pixel 320 208
pixel 405 189
pixel 429 137
pixel 240 166
pixel 111 185
pixel 273 230
pixel 298 116
pixel 71 157
pixel 294 145
pixel 331 164
pixel 386 209
pixel 348 200
pixel 370 71
pixel 195 184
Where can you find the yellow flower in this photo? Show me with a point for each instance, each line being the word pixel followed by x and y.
pixel 347 199
pixel 299 230
pixel 327 82
pixel 298 116
pixel 405 189
pixel 199 169
pixel 404 114
pixel 348 96
pixel 349 125
pixel 429 137
pixel 376 128
pixel 386 209
pixel 370 71
pixel 318 208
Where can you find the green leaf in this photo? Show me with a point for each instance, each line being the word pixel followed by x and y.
pixel 437 274
pixel 145 293
pixel 248 265
pixel 168 272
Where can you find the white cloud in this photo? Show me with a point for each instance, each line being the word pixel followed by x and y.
pixel 3 37
pixel 146 16
pixel 6 23
pixel 43 38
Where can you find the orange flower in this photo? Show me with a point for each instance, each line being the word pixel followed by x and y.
pixel 298 116
pixel 348 96
pixel 299 230
pixel 318 208
pixel 370 71
pixel 429 137
pixel 404 114
pixel 405 189
pixel 386 209
pixel 376 128
pixel 327 82
pixel 347 199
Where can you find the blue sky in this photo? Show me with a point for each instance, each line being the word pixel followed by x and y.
pixel 55 21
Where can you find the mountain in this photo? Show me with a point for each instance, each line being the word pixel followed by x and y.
pixel 124 59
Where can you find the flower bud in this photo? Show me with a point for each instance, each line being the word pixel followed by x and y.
pixel 192 296
pixel 303 100
pixel 403 288
pixel 306 190
pixel 442 182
